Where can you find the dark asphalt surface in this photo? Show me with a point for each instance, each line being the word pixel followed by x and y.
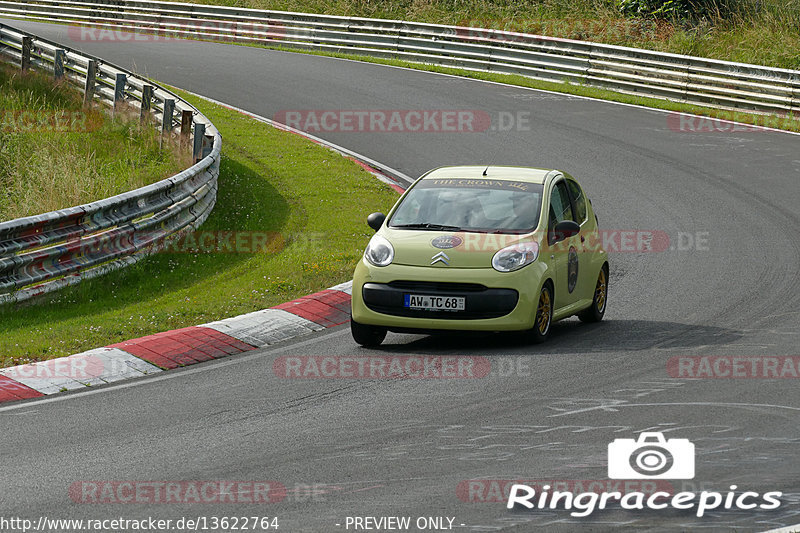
pixel 401 448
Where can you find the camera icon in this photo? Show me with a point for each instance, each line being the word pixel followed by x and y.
pixel 651 457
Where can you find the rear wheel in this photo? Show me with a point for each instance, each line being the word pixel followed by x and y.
pixel 366 335
pixel 595 312
pixel 544 315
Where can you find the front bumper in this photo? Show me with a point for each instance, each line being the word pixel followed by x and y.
pixel 481 301
pixel 495 301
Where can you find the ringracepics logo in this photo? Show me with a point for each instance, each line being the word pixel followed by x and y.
pixel 653 457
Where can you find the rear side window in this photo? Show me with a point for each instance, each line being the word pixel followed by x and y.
pixel 578 201
pixel 560 208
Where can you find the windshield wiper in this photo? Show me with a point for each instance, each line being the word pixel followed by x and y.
pixel 427 225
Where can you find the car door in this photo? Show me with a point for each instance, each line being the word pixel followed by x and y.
pixel 586 279
pixel 564 253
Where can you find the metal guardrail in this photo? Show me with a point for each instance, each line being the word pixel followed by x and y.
pixel 42 253
pixel 693 80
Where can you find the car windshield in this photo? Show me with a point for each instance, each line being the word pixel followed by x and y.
pixel 477 205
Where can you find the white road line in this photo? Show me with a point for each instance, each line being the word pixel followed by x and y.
pixel 616 406
pixel 787 529
pixel 371 162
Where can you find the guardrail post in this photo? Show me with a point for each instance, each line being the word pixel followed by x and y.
pixel 186 126
pixel 91 78
pixel 147 97
pixel 119 89
pixel 208 145
pixel 58 64
pixel 166 119
pixel 27 45
pixel 197 148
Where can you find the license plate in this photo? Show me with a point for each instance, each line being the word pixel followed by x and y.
pixel 435 303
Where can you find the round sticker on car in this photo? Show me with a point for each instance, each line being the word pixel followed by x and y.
pixel 446 242
pixel 572 269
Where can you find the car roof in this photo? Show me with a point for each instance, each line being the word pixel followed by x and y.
pixel 495 172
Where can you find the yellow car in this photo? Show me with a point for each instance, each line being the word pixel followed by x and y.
pixel 495 248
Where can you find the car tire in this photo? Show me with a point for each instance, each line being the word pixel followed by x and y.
pixel 365 335
pixel 595 312
pixel 544 315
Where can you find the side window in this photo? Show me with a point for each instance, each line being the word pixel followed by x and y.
pixel 578 201
pixel 560 208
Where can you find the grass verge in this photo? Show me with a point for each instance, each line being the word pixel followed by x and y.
pixel 309 202
pixel 49 143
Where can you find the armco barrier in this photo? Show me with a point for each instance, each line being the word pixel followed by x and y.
pixel 687 79
pixel 45 252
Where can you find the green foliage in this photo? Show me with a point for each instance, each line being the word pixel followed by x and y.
pixel 658 8
pixel 682 9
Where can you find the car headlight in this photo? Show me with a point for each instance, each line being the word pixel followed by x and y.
pixel 515 256
pixel 379 251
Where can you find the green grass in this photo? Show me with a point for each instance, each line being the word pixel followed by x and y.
pixel 270 182
pixel 48 142
pixel 765 32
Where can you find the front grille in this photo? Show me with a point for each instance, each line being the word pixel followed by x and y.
pixel 481 302
pixel 437 286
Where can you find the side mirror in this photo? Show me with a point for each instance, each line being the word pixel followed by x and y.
pixel 564 230
pixel 375 220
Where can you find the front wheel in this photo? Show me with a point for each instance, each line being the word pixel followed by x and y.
pixel 595 312
pixel 544 315
pixel 365 335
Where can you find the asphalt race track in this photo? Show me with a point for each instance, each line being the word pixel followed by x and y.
pixel 728 285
